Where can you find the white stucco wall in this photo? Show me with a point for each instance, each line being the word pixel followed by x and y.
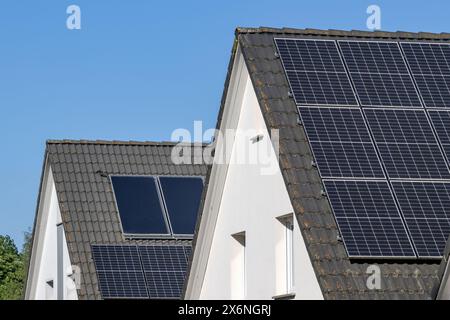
pixel 44 261
pixel 251 202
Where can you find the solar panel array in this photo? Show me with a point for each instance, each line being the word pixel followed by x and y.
pixel 142 271
pixel 383 157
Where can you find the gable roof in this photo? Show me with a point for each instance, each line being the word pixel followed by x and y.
pixel 89 215
pixel 338 277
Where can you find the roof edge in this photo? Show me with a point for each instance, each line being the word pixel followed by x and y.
pixel 120 142
pixel 347 33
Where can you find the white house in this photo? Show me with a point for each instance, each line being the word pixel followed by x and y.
pixel 86 244
pixel 272 234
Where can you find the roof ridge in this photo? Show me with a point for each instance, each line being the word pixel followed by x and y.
pixel 116 142
pixel 347 33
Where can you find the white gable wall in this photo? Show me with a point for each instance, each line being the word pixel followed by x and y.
pixel 250 203
pixel 44 259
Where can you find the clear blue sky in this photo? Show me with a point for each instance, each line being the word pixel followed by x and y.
pixel 136 71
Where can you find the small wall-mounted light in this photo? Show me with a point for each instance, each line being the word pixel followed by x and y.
pixel 257 138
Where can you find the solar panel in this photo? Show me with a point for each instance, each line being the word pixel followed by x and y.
pixel 441 123
pixel 139 205
pixel 119 271
pixel 379 73
pixel 315 72
pixel 329 124
pixel 182 198
pixel 368 219
pixel 407 144
pixel 426 208
pixel 341 143
pixel 430 66
pixel 164 267
pixel 144 271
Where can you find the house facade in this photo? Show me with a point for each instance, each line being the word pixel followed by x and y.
pixel 88 240
pixel 277 236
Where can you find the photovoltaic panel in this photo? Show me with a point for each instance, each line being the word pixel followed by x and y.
pixel 400 126
pixel 329 124
pixel 413 161
pixel 346 159
pixel 379 73
pixel 441 123
pixel 430 66
pixel 435 90
pixel 119 271
pixel 315 72
pixel 163 285
pixel 368 219
pixel 407 144
pixel 122 285
pixel 310 55
pixel 426 208
pixel 341 143
pixel 182 198
pixel 116 257
pixel 427 58
pixel 373 57
pixel 139 205
pixel 144 271
pixel 163 258
pixel 165 268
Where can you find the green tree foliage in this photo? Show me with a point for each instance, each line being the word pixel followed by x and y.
pixel 12 267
